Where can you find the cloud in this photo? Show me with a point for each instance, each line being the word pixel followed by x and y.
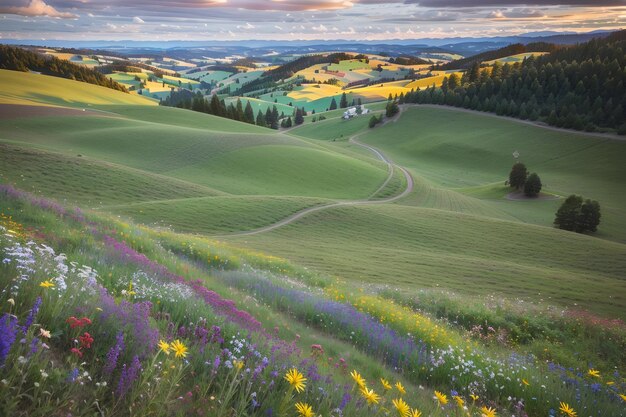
pixel 483 3
pixel 247 26
pixel 496 14
pixel 137 19
pixel 36 8
pixel 320 28
pixel 516 14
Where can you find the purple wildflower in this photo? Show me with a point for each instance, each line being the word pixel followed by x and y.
pixel 32 314
pixel 73 375
pixel 34 346
pixel 114 354
pixel 8 333
pixel 128 376
pixel 345 400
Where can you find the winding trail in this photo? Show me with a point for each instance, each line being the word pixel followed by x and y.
pixel 298 215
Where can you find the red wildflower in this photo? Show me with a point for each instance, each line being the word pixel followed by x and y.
pixel 73 322
pixel 76 352
pixel 85 340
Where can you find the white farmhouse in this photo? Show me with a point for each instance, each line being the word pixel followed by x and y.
pixel 352 112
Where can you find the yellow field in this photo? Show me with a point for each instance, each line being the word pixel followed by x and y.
pixel 60 55
pixel 156 87
pixel 315 91
pixel 142 75
pixel 437 79
pixel 376 92
pixel 515 58
pixel 309 73
pixel 26 88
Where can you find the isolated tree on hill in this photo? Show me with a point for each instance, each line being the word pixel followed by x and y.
pixel 578 215
pixel 532 187
pixel 589 217
pixel 343 103
pixel 298 120
pixel 517 176
pixel 373 121
pixel 333 104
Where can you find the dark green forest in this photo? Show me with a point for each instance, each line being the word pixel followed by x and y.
pixel 579 87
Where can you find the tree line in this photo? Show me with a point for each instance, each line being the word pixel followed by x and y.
pixel 581 87
pixel 185 99
pixel 18 59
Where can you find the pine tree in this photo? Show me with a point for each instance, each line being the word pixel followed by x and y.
pixel 333 104
pixel 260 119
pixel 248 114
pixel 298 119
pixel 343 103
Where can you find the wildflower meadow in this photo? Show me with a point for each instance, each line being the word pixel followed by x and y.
pixel 103 317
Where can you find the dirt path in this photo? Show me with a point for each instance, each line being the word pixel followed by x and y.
pixel 302 213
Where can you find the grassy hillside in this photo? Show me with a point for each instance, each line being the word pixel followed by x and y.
pixel 414 248
pixel 213 215
pixel 239 163
pixel 461 151
pixel 29 88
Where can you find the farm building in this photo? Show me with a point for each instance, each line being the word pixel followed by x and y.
pixel 352 112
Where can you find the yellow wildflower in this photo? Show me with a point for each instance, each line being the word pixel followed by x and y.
pixel 567 410
pixel 360 381
pixel 238 364
pixel 44 333
pixel 386 384
pixel 441 398
pixel 459 401
pixel 180 350
pixel 304 410
pixel 488 411
pixel 295 379
pixel 370 396
pixel 402 407
pixel 164 346
pixel 594 373
pixel 415 413
pixel 623 397
pixel 474 397
pixel 400 388
pixel 525 382
pixel 47 284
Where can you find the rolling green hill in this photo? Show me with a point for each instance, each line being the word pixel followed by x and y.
pixel 411 248
pixel 460 151
pixel 30 88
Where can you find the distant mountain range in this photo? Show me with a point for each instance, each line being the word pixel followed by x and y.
pixel 462 45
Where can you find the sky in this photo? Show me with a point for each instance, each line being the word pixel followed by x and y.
pixel 373 20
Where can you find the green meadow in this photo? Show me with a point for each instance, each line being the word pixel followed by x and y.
pixel 206 175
